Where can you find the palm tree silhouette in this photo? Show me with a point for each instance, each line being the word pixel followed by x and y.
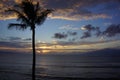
pixel 29 14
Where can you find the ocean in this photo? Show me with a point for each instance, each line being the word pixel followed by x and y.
pixel 65 65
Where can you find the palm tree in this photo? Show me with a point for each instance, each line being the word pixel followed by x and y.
pixel 29 14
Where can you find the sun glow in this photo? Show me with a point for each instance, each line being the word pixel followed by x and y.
pixel 43 51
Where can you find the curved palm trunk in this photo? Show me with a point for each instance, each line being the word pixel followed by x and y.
pixel 34 54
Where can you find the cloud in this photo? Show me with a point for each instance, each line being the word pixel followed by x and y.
pixel 68 10
pixel 27 39
pixel 15 39
pixel 86 35
pixel 26 46
pixel 76 9
pixel 88 27
pixel 69 27
pixel 82 44
pixel 65 35
pixel 77 16
pixel 112 30
pixel 88 31
pixel 72 33
pixel 15 47
pixel 4 4
pixel 14 44
pixel 60 35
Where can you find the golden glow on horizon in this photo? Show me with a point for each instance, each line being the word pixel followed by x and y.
pixel 54 48
pixel 62 51
pixel 43 51
pixel 44 47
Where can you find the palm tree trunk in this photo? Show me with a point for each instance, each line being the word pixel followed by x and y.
pixel 34 54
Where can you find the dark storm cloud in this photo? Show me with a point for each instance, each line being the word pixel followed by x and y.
pixel 69 10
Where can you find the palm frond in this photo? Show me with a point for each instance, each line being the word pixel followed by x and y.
pixel 37 7
pixel 28 8
pixel 29 14
pixel 18 26
pixel 42 16
pixel 20 16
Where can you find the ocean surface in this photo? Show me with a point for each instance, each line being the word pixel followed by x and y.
pixel 73 65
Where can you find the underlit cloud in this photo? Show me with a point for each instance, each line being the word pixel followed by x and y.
pixel 68 10
pixel 71 16
pixel 69 27
pixel 88 31
pixel 80 44
pixel 88 27
pixel 26 46
pixel 4 4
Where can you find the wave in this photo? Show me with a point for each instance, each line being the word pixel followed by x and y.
pixel 65 66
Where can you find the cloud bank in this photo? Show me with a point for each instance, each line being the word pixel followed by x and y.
pixel 17 45
pixel 88 31
pixel 64 35
pixel 111 31
pixel 68 10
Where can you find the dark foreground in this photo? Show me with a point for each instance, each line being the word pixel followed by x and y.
pixel 15 66
pixel 6 75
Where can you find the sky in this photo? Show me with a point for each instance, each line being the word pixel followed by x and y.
pixel 75 24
